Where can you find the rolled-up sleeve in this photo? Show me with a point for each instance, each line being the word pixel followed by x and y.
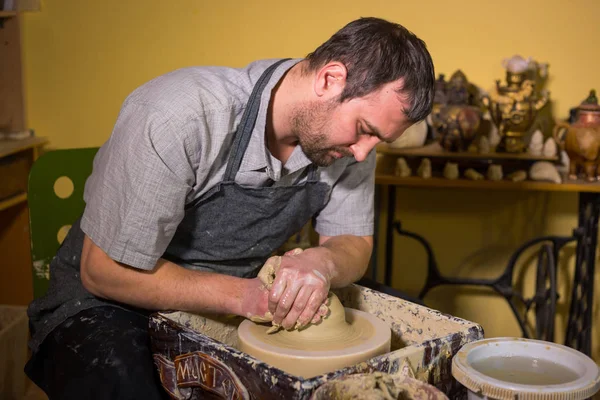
pixel 135 196
pixel 349 210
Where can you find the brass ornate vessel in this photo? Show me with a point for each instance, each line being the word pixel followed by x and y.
pixel 514 106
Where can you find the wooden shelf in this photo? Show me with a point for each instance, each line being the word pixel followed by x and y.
pixel 13 201
pixel 462 183
pixel 10 146
pixel 434 150
pixel 8 14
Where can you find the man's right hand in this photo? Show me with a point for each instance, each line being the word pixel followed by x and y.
pixel 255 301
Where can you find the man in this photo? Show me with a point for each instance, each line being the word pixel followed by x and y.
pixel 207 172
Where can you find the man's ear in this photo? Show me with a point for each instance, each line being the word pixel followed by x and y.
pixel 330 80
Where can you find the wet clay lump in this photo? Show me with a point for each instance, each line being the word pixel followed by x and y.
pixel 343 338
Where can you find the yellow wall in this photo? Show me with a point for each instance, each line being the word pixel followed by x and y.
pixel 83 57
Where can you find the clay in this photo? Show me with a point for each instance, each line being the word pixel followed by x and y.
pixel 343 338
pixel 544 171
pixel 494 136
pixel 402 168
pixel 517 176
pixel 550 148
pixel 473 175
pixel 413 136
pixel 329 334
pixel 494 172
pixel 451 170
pixel 267 276
pixel 222 328
pixel 484 145
pixel 424 170
pixel 423 338
pixel 377 386
pixel 536 144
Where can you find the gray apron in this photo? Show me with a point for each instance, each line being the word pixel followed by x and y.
pixel 231 229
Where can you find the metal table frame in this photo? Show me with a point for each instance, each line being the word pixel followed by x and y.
pixel 543 303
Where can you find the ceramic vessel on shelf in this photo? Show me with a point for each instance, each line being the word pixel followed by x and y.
pixel 455 116
pixel 514 106
pixel 581 139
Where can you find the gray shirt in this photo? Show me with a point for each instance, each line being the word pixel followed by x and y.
pixel 170 145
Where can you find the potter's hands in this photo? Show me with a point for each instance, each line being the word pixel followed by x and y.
pixel 255 301
pixel 300 288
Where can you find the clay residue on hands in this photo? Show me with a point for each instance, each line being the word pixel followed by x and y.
pixel 267 275
pixel 269 270
pixel 266 318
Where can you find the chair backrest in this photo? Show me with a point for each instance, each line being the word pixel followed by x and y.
pixel 55 197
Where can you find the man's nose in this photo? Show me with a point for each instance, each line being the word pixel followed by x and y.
pixel 363 147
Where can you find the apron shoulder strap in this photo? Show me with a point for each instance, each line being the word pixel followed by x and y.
pixel 244 131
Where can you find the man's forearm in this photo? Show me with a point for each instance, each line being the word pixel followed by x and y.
pixel 167 287
pixel 349 256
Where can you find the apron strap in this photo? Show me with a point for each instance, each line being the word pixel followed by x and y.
pixel 244 131
pixel 311 174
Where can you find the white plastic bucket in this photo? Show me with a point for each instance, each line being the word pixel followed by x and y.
pixel 516 368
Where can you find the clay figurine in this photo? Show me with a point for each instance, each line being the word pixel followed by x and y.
pixel 424 170
pixel 494 172
pixel 544 171
pixel 413 136
pixel 473 175
pixel 536 143
pixel 484 145
pixel 402 168
pixel 517 176
pixel 494 136
pixel 550 149
pixel 451 170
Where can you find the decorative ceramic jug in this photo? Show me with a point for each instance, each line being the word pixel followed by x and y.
pixel 455 117
pixel 581 139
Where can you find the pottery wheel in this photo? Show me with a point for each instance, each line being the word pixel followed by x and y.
pixel 344 338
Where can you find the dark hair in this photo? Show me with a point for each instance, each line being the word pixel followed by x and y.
pixel 376 52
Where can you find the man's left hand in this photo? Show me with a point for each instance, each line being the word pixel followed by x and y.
pixel 300 288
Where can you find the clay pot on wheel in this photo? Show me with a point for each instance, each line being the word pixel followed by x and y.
pixel 581 140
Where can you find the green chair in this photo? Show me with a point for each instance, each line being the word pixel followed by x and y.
pixel 55 197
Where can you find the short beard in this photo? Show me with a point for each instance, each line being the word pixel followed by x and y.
pixel 308 125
